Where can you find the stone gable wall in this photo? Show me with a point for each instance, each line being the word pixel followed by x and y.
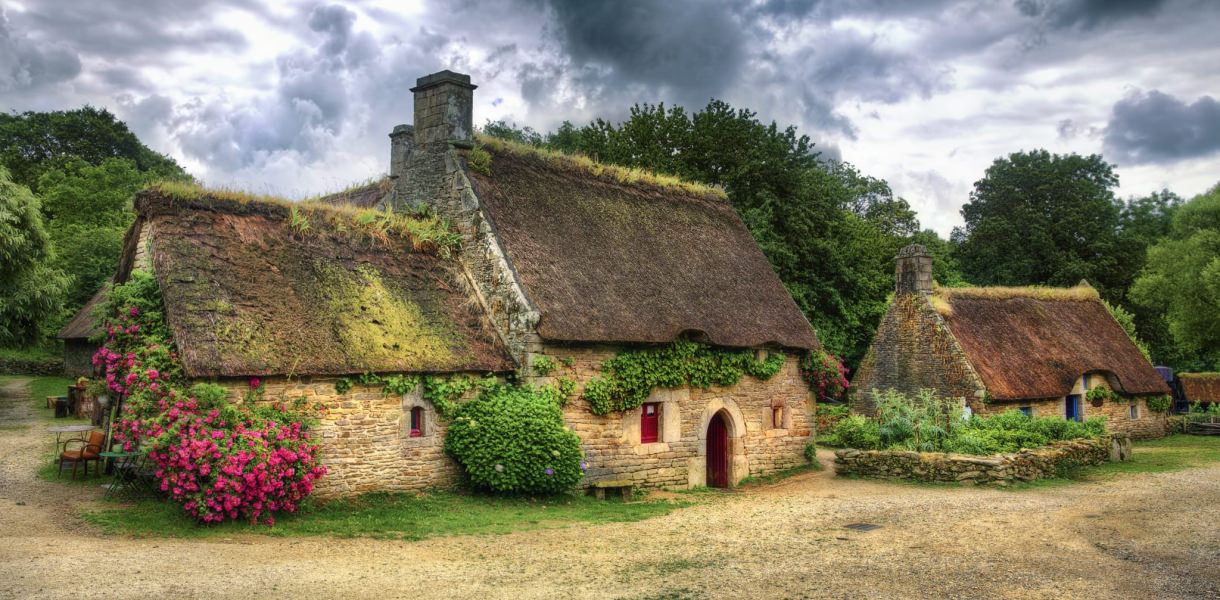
pixel 997 469
pixel 1148 426
pixel 913 351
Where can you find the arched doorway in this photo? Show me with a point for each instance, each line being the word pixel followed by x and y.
pixel 718 451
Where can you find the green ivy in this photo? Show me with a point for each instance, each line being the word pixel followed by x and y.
pixel 1160 404
pixel 544 365
pixel 629 377
pixel 441 391
pixel 1103 393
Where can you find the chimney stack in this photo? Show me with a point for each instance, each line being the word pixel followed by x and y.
pixel 913 270
pixel 401 141
pixel 443 107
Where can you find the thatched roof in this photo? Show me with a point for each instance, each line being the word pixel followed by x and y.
pixel 608 260
pixel 1037 344
pixel 1200 387
pixel 247 293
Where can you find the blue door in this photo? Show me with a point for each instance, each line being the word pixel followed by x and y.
pixel 1072 412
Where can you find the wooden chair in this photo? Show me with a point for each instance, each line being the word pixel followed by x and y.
pixel 89 451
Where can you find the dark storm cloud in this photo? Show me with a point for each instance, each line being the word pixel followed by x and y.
pixel 1158 128
pixel 692 47
pixel 1086 14
pixel 25 64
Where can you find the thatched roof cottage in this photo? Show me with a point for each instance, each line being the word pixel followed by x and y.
pixel 562 262
pixel 1039 350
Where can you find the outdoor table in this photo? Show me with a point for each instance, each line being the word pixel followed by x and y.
pixel 62 429
pixel 126 473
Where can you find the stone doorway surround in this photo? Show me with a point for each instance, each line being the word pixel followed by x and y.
pixel 739 467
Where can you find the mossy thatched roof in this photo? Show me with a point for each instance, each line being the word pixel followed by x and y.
pixel 608 259
pixel 1036 344
pixel 258 287
pixel 1200 387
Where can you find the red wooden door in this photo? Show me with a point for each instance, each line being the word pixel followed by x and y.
pixel 718 452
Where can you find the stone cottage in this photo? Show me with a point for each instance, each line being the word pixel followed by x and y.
pixel 1037 350
pixel 563 262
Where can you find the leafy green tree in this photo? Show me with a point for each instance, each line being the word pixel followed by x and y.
pixel 1182 276
pixel 1042 218
pixel 32 143
pixel 89 210
pixel 32 288
pixel 509 131
pixel 945 270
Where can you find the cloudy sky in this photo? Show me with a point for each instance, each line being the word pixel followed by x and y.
pixel 296 98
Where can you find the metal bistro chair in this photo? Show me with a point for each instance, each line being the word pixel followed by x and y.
pixel 89 451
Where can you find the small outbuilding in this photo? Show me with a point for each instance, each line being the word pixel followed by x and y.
pixel 1200 387
pixel 1037 350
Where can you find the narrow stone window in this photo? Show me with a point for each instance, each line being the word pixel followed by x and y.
pixel 777 417
pixel 1135 412
pixel 417 421
pixel 650 422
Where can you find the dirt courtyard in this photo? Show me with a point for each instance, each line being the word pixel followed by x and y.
pixel 1148 536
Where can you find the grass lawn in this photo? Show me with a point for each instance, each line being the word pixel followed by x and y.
pixel 1172 453
pixel 390 516
pixel 40 388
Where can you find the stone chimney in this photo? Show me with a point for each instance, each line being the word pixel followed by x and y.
pixel 913 271
pixel 401 141
pixel 443 106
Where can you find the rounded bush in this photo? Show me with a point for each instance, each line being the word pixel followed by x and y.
pixel 858 432
pixel 512 440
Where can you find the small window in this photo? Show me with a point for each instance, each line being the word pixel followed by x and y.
pixel 417 421
pixel 1135 412
pixel 1027 411
pixel 650 422
pixel 777 417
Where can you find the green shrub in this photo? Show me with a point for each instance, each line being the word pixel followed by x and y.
pixel 512 440
pixel 1160 404
pixel 858 432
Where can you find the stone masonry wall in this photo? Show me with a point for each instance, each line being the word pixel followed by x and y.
pixel 364 437
pixel 913 351
pixel 998 469
pixel 611 443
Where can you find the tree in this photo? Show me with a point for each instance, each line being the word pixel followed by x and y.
pixel 1182 277
pixel 32 143
pixel 1049 219
pixel 89 209
pixel 32 288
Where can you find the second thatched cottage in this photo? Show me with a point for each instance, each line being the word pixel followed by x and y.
pixel 1043 351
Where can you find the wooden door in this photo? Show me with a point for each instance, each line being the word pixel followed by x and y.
pixel 1072 408
pixel 718 452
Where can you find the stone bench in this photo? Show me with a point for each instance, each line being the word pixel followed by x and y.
pixel 600 487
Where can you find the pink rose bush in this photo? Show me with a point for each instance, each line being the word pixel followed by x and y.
pixel 220 460
pixel 825 373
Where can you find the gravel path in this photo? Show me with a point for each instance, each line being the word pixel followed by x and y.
pixel 1099 540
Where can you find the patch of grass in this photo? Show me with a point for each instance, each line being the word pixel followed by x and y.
pixel 41 387
pixel 1173 453
pixel 390 516
pixel 35 353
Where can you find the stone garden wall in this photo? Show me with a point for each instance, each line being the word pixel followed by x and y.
pixel 998 469
pixel 48 367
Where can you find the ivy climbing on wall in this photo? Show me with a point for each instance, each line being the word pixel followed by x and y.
pixel 629 377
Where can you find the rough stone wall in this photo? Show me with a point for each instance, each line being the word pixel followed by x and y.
pixel 611 443
pixel 78 358
pixel 913 351
pixel 364 437
pixel 49 367
pixel 998 469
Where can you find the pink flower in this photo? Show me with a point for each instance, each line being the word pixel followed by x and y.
pixel 254 382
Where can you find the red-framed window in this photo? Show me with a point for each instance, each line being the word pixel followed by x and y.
pixel 417 421
pixel 650 421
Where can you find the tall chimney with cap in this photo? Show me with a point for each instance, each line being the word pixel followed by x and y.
pixel 443 111
pixel 913 270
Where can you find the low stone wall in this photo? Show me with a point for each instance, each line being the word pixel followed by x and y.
pixel 997 469
pixel 50 367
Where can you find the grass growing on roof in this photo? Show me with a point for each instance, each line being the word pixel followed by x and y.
pixel 580 162
pixel 391 516
pixel 942 298
pixel 426 232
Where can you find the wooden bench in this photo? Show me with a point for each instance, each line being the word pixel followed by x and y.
pixel 600 487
